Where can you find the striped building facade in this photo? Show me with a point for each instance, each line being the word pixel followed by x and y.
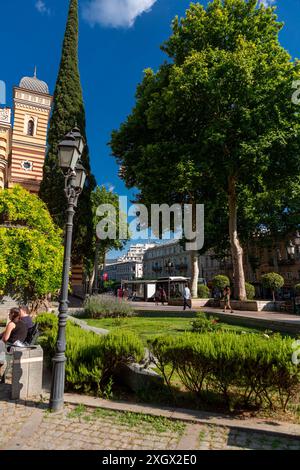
pixel 23 142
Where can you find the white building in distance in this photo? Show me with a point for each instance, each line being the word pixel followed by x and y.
pixel 129 266
pixel 170 259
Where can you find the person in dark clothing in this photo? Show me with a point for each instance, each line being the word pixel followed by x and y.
pixel 163 296
pixel 16 331
pixel 25 316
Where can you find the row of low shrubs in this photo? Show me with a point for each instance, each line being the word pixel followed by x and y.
pixel 244 369
pixel 91 359
pixel 103 306
pixel 221 282
pixel 272 281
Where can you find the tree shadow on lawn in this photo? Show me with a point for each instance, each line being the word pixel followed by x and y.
pixel 207 402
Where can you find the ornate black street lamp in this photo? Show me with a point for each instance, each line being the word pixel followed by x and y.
pixel 69 153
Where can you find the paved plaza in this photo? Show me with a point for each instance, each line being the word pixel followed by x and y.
pixel 30 426
pixel 87 423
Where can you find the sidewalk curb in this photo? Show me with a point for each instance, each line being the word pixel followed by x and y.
pixel 286 430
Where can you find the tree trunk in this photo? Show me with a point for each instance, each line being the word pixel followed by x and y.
pixel 273 293
pixel 236 248
pixel 91 281
pixel 195 273
pixel 96 270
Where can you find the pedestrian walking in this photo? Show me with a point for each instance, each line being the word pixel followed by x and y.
pixel 227 295
pixel 157 296
pixel 163 296
pixel 187 297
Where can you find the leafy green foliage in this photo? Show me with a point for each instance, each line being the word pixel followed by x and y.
pixel 31 251
pixel 105 306
pixel 205 322
pixel 272 281
pixel 297 289
pixel 68 110
pixel 91 359
pixel 141 422
pixel 216 125
pixel 220 281
pixel 245 369
pixel 250 291
pixel 110 285
pixel 102 196
pixel 203 292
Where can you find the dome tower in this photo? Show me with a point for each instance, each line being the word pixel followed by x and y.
pixel 32 106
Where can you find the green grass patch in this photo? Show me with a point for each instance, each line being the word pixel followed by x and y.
pixel 159 424
pixel 77 412
pixel 148 325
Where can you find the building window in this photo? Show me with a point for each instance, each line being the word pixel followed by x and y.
pixel 30 127
pixel 26 165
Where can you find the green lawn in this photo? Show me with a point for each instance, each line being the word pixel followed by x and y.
pixel 150 324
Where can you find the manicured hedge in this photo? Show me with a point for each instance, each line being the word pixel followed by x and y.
pixel 244 368
pixel 203 292
pixel 250 291
pixel 91 359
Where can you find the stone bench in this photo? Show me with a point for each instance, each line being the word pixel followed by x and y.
pixel 27 372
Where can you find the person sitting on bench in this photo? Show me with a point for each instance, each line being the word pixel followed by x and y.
pixel 16 331
pixel 2 360
pixel 25 316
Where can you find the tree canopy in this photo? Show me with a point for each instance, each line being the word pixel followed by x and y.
pixel 31 247
pixel 216 124
pixel 68 111
pixel 102 196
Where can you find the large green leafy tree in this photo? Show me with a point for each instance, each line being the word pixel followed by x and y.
pixel 221 111
pixel 31 248
pixel 68 111
pixel 101 196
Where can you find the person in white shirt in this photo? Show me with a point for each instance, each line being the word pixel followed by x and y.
pixel 187 298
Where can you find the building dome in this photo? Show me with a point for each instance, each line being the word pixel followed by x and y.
pixel 34 84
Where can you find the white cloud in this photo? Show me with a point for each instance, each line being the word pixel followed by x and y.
pixel 267 3
pixel 115 13
pixel 42 8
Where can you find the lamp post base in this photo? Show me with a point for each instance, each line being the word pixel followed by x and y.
pixel 58 383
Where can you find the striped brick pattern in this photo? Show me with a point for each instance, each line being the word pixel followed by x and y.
pixel 28 151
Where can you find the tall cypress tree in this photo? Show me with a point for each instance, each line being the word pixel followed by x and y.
pixel 68 110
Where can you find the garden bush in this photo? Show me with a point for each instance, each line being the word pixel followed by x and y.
pixel 91 359
pixel 220 281
pixel 203 292
pixel 272 281
pixel 297 289
pixel 250 291
pixel 205 322
pixel 105 306
pixel 247 369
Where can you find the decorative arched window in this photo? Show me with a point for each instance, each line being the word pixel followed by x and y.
pixel 30 127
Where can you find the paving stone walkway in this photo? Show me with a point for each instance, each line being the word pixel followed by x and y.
pixel 218 438
pixel 30 426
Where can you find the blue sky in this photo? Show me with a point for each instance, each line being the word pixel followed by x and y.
pixel 118 40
